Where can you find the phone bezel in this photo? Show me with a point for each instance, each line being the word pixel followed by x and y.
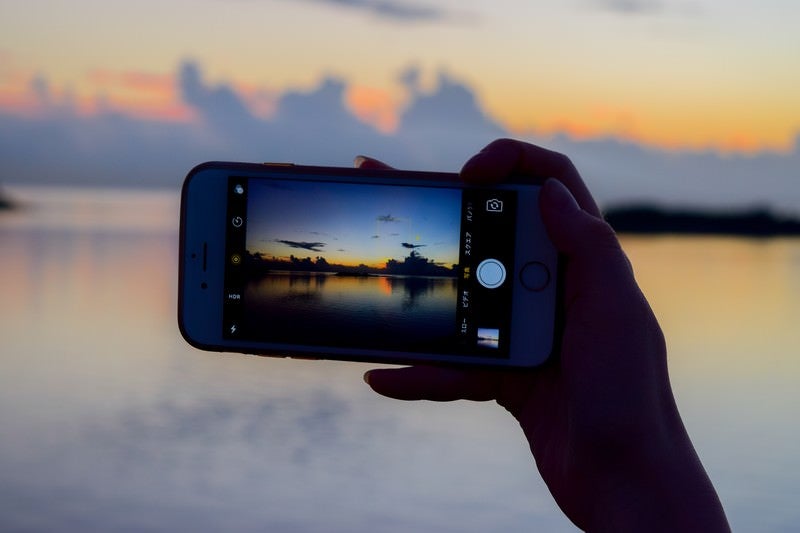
pixel 202 264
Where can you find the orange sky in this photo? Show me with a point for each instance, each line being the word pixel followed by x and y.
pixel 672 74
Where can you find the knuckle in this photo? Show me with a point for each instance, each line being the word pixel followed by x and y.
pixel 561 164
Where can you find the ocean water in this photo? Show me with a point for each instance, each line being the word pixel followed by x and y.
pixel 110 422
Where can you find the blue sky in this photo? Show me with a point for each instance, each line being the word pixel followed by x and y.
pixel 351 224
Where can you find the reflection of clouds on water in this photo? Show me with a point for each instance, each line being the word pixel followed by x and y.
pixel 285 426
pixel 111 423
pixel 243 460
pixel 341 310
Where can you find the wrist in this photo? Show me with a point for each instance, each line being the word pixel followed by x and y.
pixel 660 489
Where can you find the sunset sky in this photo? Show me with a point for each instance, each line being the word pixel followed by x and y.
pixel 674 73
pixel 667 101
pixel 350 224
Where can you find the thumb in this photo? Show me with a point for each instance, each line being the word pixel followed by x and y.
pixel 587 241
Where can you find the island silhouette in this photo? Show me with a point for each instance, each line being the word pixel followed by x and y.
pixel 654 220
pixel 414 264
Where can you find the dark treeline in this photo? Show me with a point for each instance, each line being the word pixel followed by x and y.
pixel 655 220
pixel 412 265
pixel 5 201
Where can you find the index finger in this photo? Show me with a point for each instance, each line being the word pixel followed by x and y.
pixel 505 158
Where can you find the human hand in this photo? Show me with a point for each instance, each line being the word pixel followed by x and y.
pixel 600 417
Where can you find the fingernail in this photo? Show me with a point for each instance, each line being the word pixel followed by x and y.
pixel 366 377
pixel 359 160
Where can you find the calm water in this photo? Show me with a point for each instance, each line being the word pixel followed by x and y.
pixel 399 313
pixel 109 421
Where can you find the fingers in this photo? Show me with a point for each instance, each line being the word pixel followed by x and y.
pixel 574 231
pixel 506 158
pixel 434 383
pixel 369 163
pixel 588 242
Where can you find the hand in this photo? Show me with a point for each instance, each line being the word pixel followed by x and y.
pixel 600 416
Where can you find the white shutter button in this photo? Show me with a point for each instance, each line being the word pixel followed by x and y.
pixel 491 273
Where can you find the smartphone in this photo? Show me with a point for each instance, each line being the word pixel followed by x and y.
pixel 364 265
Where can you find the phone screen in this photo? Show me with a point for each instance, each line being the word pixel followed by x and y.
pixel 386 267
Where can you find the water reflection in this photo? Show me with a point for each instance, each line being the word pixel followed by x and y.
pixel 396 312
pixel 110 422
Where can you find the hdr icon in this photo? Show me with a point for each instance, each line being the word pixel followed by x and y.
pixel 234 296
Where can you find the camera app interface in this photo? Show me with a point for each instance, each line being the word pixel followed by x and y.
pixel 401 268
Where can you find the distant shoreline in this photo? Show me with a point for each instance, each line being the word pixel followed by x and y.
pixel 634 219
pixel 414 265
pixel 651 220
pixel 5 201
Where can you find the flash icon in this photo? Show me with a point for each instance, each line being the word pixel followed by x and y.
pixel 233 329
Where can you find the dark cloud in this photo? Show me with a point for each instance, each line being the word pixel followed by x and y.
pixel 310 246
pixel 394 10
pixel 386 218
pixel 411 246
pixel 629 7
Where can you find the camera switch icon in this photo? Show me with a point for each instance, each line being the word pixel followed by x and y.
pixel 493 205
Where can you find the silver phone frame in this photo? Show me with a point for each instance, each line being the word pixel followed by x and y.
pixel 202 265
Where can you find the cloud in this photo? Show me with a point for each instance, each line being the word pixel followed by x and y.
pixel 386 218
pixel 410 78
pixel 411 246
pixel 438 130
pixel 393 10
pixel 221 106
pixel 310 246
pixel 40 88
pixel 447 125
pixel 629 7
pixel 620 172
